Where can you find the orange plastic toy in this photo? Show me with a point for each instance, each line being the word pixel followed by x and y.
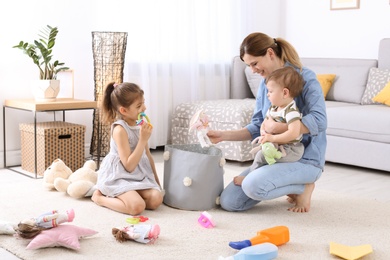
pixel 277 235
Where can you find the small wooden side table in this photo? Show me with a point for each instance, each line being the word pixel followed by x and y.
pixel 61 104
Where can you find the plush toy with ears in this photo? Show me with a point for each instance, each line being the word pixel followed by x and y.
pixel 57 169
pixel 269 151
pixel 81 183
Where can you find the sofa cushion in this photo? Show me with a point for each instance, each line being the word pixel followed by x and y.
pixel 377 80
pixel 239 87
pixel 253 79
pixel 358 121
pixel 351 79
pixel 326 81
pixel 383 96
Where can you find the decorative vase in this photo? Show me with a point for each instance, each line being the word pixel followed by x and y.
pixel 45 90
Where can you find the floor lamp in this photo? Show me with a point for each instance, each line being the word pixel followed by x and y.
pixel 109 49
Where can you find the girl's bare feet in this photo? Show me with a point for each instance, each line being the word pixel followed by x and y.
pixel 96 196
pixel 302 201
pixel 238 180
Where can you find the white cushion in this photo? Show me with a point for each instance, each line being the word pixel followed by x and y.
pixel 253 79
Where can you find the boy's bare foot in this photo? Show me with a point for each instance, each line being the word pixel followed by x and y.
pixel 302 201
pixel 96 196
pixel 238 180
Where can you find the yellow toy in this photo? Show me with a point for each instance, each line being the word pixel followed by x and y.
pixel 349 252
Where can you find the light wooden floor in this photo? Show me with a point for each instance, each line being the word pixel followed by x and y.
pixel 343 179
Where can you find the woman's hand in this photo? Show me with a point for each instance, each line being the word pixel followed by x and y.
pixel 273 127
pixel 215 136
pixel 267 138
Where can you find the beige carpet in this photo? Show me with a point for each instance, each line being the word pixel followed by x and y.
pixel 349 221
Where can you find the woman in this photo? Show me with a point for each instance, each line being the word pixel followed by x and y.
pixel 264 55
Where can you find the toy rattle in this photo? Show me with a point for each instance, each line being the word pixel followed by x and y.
pixel 142 117
pixel 206 220
pixel 136 220
pixel 278 235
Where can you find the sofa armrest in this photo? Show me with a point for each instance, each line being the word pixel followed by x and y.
pixel 239 87
pixel 384 54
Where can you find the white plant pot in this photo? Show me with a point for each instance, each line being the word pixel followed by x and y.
pixel 45 90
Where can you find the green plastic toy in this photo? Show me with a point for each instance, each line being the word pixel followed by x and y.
pixel 270 153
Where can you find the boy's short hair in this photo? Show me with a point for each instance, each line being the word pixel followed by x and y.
pixel 289 78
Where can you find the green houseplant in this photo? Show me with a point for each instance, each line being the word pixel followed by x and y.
pixel 40 51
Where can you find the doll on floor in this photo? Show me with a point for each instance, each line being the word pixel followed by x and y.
pixel 29 228
pixel 141 233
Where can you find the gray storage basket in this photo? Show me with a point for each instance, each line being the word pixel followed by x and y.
pixel 193 176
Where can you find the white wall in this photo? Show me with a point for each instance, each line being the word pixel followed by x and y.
pixel 21 20
pixel 317 31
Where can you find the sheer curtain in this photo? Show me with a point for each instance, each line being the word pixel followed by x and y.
pixel 179 51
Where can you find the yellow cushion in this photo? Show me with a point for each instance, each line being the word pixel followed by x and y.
pixel 326 81
pixel 383 95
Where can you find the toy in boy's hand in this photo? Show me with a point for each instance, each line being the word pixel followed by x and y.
pixel 142 117
pixel 141 233
pixel 269 151
pixel 31 227
pixel 264 251
pixel 200 123
pixel 206 220
pixel 278 235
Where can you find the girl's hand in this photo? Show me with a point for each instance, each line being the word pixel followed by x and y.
pixel 145 131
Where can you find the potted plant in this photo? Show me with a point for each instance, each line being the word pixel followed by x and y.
pixel 47 87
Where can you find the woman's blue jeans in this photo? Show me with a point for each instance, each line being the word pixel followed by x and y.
pixel 268 182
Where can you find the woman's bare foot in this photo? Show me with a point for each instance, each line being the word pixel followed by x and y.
pixel 302 201
pixel 238 180
pixel 96 196
pixel 291 198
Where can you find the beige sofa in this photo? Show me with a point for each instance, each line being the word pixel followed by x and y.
pixel 358 133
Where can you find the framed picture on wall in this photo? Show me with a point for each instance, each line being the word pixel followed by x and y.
pixel 344 4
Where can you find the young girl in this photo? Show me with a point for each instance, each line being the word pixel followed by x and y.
pixel 127 178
